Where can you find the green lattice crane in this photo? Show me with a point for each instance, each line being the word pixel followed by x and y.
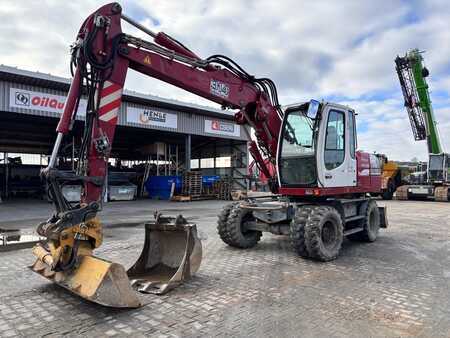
pixel 412 75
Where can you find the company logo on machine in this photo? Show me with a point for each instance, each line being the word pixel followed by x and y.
pixel 22 99
pixel 150 115
pixel 31 100
pixel 219 88
pixel 222 126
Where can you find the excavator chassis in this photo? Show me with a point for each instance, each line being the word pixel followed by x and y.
pixel 316 227
pixel 172 253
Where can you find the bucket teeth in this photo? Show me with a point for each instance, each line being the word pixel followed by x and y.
pixel 38 269
pixel 49 273
pixel 145 286
pixel 59 277
pixel 135 282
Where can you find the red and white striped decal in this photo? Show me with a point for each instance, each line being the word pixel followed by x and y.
pixel 110 101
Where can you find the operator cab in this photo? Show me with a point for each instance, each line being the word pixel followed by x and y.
pixel 296 156
pixel 317 146
pixel 438 168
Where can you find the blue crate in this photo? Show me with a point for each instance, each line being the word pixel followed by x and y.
pixel 209 180
pixel 160 186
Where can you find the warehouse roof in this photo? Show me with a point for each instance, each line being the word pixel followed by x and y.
pixel 14 74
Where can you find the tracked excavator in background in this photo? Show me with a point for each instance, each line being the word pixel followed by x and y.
pixel 412 76
pixel 320 186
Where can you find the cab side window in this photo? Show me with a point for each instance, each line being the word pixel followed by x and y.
pixel 335 140
pixel 352 134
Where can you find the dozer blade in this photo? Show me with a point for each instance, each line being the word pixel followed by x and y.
pixel 172 253
pixel 401 193
pixel 442 194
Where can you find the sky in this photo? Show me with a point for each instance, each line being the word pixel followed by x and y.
pixel 339 51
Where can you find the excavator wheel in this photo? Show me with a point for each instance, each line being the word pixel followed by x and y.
pixel 370 224
pixel 222 220
pixel 297 230
pixel 237 236
pixel 324 233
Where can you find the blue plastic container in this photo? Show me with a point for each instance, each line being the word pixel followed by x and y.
pixel 159 187
pixel 209 180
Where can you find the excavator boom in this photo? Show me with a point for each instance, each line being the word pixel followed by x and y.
pixel 101 57
pixel 412 74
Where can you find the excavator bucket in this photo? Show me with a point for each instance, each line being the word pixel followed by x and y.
pixel 94 279
pixel 172 253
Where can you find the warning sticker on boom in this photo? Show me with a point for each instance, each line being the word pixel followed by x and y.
pixel 219 88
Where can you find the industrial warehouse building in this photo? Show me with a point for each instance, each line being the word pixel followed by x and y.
pixel 154 136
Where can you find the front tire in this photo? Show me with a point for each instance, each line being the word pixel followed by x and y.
pixel 237 235
pixel 297 230
pixel 222 220
pixel 324 233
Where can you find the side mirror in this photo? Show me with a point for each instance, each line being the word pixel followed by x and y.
pixel 313 108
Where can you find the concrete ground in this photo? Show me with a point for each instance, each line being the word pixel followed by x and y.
pixel 26 213
pixel 398 286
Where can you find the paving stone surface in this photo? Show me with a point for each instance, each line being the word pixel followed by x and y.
pixel 398 286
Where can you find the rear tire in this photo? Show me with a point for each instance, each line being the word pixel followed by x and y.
pixel 370 224
pixel 297 230
pixel 237 237
pixel 324 233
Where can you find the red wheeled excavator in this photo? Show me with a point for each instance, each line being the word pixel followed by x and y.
pixel 320 189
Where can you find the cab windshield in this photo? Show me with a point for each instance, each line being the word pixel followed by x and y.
pixel 298 135
pixel 297 156
pixel 436 162
pixel 436 167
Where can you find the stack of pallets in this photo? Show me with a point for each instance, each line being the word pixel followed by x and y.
pixel 223 188
pixel 193 188
pixel 192 183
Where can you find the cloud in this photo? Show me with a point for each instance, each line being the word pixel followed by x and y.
pixel 332 50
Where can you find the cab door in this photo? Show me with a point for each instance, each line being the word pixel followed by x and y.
pixel 336 157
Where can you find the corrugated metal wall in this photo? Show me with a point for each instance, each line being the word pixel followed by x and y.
pixel 186 122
